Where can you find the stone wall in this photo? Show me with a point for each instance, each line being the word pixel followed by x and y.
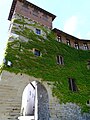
pixel 21 9
pixel 26 23
pixel 43 102
pixel 11 89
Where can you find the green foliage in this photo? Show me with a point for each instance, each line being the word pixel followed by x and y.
pixel 46 67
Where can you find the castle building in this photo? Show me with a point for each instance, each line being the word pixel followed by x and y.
pixel 71 40
pixel 32 12
pixel 45 18
pixel 58 62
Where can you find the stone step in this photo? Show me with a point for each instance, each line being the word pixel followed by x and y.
pixel 9 105
pixel 7 90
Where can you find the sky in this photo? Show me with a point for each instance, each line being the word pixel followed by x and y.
pixel 73 17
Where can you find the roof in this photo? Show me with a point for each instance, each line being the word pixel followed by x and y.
pixel 30 4
pixel 68 35
pixel 85 40
pixel 65 34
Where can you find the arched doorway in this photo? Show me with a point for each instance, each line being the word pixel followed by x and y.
pixel 35 91
pixel 28 100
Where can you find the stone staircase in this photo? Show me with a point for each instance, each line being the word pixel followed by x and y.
pixel 9 103
pixel 11 88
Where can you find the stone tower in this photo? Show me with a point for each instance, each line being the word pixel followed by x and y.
pixel 25 16
pixel 30 56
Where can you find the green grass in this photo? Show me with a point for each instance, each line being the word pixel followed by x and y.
pixel 46 67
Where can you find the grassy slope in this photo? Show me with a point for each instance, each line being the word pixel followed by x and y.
pixel 46 67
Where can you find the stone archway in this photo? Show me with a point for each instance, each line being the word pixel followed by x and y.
pixel 43 102
pixel 29 104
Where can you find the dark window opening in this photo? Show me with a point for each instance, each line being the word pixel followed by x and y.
pixel 38 31
pixel 36 52
pixel 59 39
pixel 72 85
pixel 68 41
pixel 76 46
pixel 85 46
pixel 60 60
pixel 89 62
pixel 88 102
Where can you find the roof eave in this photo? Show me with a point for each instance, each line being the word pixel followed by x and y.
pixel 15 2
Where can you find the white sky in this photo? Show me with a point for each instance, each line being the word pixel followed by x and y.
pixel 73 17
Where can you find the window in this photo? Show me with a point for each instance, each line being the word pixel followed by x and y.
pixel 72 85
pixel 38 31
pixel 85 46
pixel 59 38
pixel 9 63
pixel 68 41
pixel 76 46
pixel 60 60
pixel 36 52
pixel 88 103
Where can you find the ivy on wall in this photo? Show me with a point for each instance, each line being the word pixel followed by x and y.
pixel 20 53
